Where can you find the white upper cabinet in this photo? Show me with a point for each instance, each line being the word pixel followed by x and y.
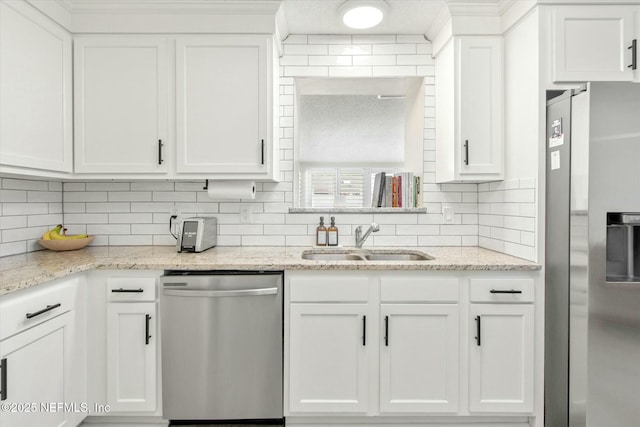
pixel 224 108
pixel 121 90
pixel 469 99
pixel 35 91
pixel 592 43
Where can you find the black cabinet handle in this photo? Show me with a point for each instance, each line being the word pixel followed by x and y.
pixel 262 151
pixel 386 331
pixel 44 310
pixel 466 152
pixel 160 160
pixel 3 383
pixel 634 54
pixel 510 291
pixel 478 330
pixel 125 291
pixel 147 318
pixel 364 330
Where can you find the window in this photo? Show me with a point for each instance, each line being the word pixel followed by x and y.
pixel 347 130
pixel 351 187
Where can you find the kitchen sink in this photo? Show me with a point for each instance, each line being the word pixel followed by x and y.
pixel 329 256
pixel 398 256
pixel 365 255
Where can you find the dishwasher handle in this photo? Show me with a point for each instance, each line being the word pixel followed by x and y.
pixel 218 294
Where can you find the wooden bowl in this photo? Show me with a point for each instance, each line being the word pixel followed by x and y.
pixel 66 245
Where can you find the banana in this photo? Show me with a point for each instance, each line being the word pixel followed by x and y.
pixel 57 233
pixel 56 236
pixel 54 231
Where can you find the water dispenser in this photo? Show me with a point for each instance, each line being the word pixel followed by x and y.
pixel 623 247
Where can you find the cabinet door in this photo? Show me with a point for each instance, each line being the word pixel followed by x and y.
pixel 120 104
pixel 131 356
pixel 34 370
pixel 480 95
pixel 223 104
pixel 328 358
pixel 35 90
pixel 419 358
pixel 501 358
pixel 590 43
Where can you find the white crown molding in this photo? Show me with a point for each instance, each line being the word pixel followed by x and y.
pixel 473 8
pixel 223 7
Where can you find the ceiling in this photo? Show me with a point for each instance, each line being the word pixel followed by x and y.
pixel 321 17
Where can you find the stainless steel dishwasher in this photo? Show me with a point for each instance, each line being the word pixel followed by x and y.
pixel 221 345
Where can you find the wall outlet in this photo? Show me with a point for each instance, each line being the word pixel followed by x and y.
pixel 245 214
pixel 448 215
pixel 174 211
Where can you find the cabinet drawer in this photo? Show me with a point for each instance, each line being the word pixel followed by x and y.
pixel 34 306
pixel 329 289
pixel 419 290
pixel 501 290
pixel 131 289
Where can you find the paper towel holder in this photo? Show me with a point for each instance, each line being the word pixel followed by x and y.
pixel 206 184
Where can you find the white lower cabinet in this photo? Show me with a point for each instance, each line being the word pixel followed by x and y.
pixel 414 346
pixel 123 340
pixel 419 358
pixel 502 345
pixel 501 358
pixel 43 375
pixel 131 356
pixel 33 375
pixel 328 358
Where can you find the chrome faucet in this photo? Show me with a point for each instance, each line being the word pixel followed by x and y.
pixel 360 238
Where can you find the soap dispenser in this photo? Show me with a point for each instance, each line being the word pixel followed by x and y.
pixel 321 233
pixel 332 233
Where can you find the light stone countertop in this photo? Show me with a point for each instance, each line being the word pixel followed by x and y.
pixel 27 270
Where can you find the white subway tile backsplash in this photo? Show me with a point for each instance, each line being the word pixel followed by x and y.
pixel 394 49
pixel 294 60
pixel 86 218
pixel 262 240
pixel 166 196
pixel 24 184
pixel 305 49
pixel 373 39
pixel 439 241
pixel 108 186
pixel 44 220
pixel 329 39
pixel 374 60
pixel 44 196
pixel 86 196
pixel 108 229
pixel 423 60
pixel 130 218
pixel 13 248
pixel 12 222
pixel 331 60
pixel 108 207
pixel 24 208
pixel 354 49
pixel 13 196
pixel 132 240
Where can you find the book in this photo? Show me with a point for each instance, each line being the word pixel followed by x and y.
pixel 378 190
pixel 394 200
pixel 400 190
pixel 418 191
pixel 388 191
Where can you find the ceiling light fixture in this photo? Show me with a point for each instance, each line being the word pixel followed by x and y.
pixel 362 14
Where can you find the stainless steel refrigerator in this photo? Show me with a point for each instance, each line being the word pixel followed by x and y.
pixel 592 303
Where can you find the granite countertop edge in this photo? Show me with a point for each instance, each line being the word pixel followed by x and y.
pixel 27 270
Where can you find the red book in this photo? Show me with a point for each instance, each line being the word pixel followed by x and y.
pixel 399 191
